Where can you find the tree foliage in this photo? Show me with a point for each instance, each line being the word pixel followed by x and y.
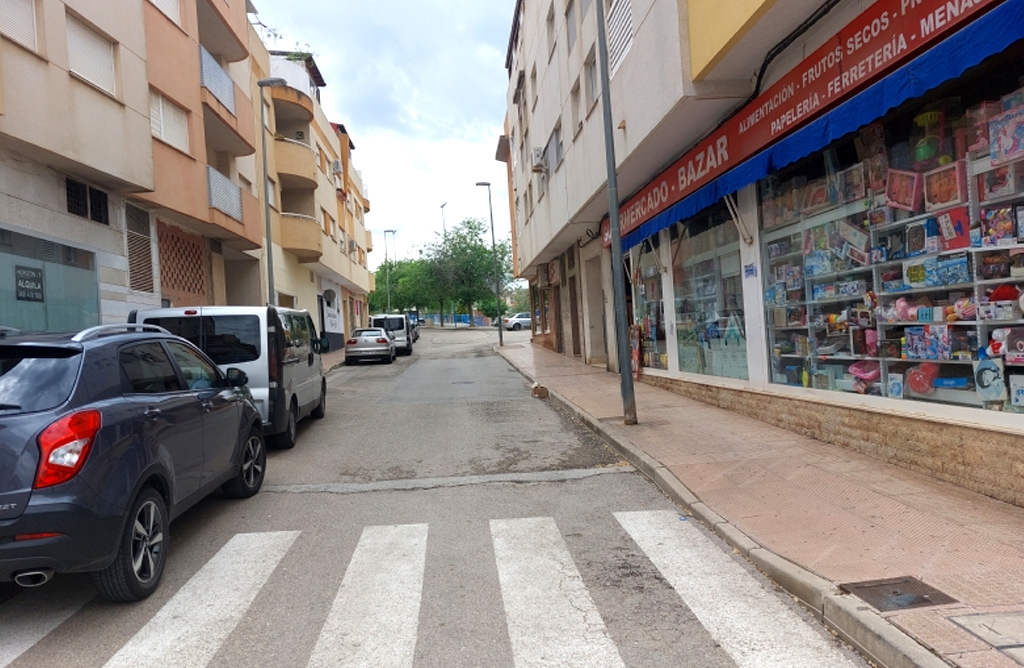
pixel 457 269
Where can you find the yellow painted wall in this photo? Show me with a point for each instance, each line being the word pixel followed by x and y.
pixel 716 26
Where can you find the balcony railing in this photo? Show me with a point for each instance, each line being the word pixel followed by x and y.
pixel 216 80
pixel 225 196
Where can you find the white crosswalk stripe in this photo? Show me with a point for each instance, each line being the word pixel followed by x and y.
pixel 373 620
pixel 729 603
pixel 188 629
pixel 551 618
pixel 27 619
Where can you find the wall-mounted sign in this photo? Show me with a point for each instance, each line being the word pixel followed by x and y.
pixel 28 282
pixel 886 35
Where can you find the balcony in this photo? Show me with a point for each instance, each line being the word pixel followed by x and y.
pixel 295 163
pixel 233 210
pixel 222 28
pixel 302 236
pixel 224 196
pixel 228 119
pixel 291 105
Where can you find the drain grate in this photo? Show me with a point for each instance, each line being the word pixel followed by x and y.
pixel 902 593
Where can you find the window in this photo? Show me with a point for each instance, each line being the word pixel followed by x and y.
pixel 533 84
pixel 512 149
pixel 574 102
pixel 272 193
pixel 145 369
pixel 553 151
pixel 86 201
pixel 590 79
pixel 620 33
pixel 551 29
pixel 584 6
pixel 140 250
pixel 570 25
pixel 197 372
pixel 90 55
pixel 170 8
pixel 18 21
pixel 168 121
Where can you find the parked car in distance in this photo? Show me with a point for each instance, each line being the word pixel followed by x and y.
pixel 277 347
pixel 516 321
pixel 398 325
pixel 370 343
pixel 106 436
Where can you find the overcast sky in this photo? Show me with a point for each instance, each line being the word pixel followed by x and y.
pixel 420 86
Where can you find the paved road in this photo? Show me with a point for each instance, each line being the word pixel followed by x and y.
pixel 438 516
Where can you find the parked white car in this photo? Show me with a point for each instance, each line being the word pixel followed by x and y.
pixel 516 321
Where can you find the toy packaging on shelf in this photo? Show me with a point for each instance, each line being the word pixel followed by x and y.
pixel 945 186
pixel 977 130
pixel 1002 181
pixel 1006 136
pixel 904 190
pixel 998 226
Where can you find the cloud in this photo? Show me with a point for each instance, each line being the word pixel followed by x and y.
pixel 421 87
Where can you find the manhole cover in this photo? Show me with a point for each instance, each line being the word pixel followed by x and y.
pixel 902 593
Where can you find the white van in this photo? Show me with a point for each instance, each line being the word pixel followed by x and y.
pixel 398 325
pixel 277 348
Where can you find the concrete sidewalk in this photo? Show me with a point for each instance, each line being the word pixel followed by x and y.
pixel 815 516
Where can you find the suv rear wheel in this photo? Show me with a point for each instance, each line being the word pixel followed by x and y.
pixel 251 470
pixel 286 439
pixel 140 559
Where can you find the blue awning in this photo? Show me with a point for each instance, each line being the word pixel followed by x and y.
pixel 987 36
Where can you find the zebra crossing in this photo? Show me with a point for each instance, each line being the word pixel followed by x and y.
pixel 551 617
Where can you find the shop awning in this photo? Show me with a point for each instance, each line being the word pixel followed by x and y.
pixel 987 36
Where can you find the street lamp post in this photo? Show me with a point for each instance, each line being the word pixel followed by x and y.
pixel 265 83
pixel 387 265
pixel 494 255
pixel 618 279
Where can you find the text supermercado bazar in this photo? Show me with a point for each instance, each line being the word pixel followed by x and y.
pixel 884 36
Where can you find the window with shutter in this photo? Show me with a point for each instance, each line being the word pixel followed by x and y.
pixel 170 8
pixel 620 33
pixel 90 55
pixel 168 121
pixel 140 250
pixel 18 21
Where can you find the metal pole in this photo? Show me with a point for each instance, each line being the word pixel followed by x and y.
pixel 494 255
pixel 618 280
pixel 387 266
pixel 271 294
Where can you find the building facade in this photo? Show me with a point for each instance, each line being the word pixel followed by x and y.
pixel 129 176
pixel 828 245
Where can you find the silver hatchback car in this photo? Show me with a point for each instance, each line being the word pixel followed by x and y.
pixel 370 343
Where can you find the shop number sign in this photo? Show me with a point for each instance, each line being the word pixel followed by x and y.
pixel 885 35
pixel 28 282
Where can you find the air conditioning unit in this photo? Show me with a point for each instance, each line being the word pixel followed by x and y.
pixel 352 246
pixel 537 162
pixel 300 134
pixel 336 167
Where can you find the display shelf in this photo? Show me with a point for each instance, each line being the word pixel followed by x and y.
pixel 836 300
pixel 919 291
pixel 786 256
pixel 998 323
pixel 846 358
pixel 788 327
pixel 948 396
pixel 916 323
pixel 1000 281
pixel 836 274
pixel 896 224
pixel 988 249
pixel 912 361
pixel 848 385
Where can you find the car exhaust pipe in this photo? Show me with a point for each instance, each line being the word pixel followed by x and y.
pixel 33 578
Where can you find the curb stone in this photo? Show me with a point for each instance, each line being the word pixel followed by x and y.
pixel 852 620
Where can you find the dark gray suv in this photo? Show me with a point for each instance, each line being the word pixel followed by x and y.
pixel 105 437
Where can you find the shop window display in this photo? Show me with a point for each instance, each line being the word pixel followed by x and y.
pixel 893 261
pixel 650 309
pixel 708 299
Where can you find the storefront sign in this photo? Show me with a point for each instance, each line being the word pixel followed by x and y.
pixel 887 34
pixel 28 282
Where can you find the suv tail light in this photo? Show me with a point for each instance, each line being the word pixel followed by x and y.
pixel 64 445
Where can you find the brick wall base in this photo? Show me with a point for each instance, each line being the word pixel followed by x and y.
pixel 989 462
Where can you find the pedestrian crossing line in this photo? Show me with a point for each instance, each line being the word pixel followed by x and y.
pixel 33 614
pixel 190 628
pixel 755 628
pixel 552 621
pixel 374 619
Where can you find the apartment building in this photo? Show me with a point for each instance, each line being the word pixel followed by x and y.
pixel 75 145
pixel 317 200
pixel 201 114
pixel 819 208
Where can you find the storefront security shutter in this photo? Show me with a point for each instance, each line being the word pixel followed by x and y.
pixel 18 21
pixel 90 55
